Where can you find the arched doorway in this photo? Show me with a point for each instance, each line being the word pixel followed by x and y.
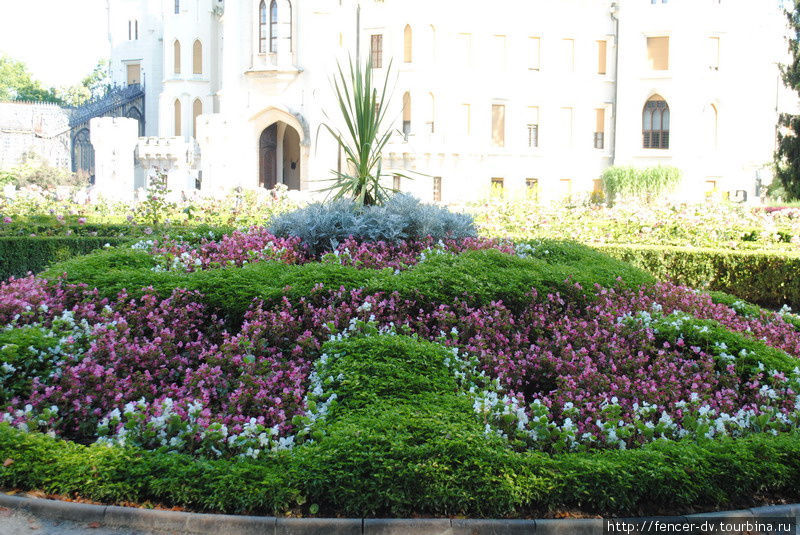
pixel 267 157
pixel 279 156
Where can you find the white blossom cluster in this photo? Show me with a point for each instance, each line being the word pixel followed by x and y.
pixel 137 425
pixel 530 250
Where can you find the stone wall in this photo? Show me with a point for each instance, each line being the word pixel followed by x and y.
pixel 37 127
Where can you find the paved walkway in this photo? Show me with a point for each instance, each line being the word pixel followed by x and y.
pixel 14 522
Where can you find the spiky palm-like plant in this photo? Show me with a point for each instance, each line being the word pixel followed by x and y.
pixel 363 108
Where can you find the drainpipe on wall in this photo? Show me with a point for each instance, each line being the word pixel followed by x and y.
pixel 615 18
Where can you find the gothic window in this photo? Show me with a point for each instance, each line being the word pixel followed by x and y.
pixel 407 44
pixel 406 115
pixel 197 57
pixel 498 125
pixel 197 111
pixel 83 154
pixel 273 27
pixel 288 23
pixel 262 28
pixel 655 123
pixel 178 130
pixel 177 6
pixel 176 50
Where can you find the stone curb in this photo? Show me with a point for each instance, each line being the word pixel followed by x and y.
pixel 212 524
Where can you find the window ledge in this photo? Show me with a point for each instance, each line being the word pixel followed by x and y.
pixel 273 71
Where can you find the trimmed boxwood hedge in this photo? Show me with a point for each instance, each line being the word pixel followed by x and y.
pixel 20 255
pixel 763 277
pixel 479 277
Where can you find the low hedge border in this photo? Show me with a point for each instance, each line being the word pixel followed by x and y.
pixel 762 277
pixel 20 255
pixel 477 276
pixel 659 478
pixel 34 253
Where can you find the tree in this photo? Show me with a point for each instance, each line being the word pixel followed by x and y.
pixel 74 95
pixel 17 83
pixel 99 81
pixel 787 156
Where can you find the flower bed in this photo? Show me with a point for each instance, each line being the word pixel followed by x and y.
pixel 721 225
pixel 251 345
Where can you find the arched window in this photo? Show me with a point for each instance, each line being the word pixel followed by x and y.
pixel 273 26
pixel 176 51
pixel 197 111
pixel 711 116
pixel 177 6
pixel 178 130
pixel 262 28
pixel 288 23
pixel 197 57
pixel 433 43
pixel 406 114
pixel 407 44
pixel 655 123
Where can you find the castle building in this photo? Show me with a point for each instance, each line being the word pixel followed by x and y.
pixel 529 97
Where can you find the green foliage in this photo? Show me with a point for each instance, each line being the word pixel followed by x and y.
pixel 21 254
pixel 20 359
pixel 644 184
pixel 378 368
pixel 363 108
pixel 478 276
pixel 155 208
pixel 485 276
pixel 17 83
pixel 415 447
pixel 129 475
pixel 34 170
pixel 765 278
pixel 787 155
pixel 726 345
pixel 98 82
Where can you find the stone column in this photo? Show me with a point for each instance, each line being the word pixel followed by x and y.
pixel 114 140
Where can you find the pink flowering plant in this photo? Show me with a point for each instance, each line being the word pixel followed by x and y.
pixel 627 367
pixel 259 245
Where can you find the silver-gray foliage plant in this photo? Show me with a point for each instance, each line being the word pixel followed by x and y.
pixel 323 226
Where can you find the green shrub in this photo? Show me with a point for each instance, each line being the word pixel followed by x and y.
pixel 21 358
pixel 768 279
pixel 645 184
pixel 478 276
pixel 19 255
pixel 709 336
pixel 415 447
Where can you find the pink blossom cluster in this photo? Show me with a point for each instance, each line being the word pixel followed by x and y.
pixel 258 245
pixel 571 358
pixel 237 248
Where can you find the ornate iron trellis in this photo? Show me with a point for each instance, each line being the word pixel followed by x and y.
pixel 119 101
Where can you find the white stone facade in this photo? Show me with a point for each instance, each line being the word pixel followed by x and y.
pixel 479 76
